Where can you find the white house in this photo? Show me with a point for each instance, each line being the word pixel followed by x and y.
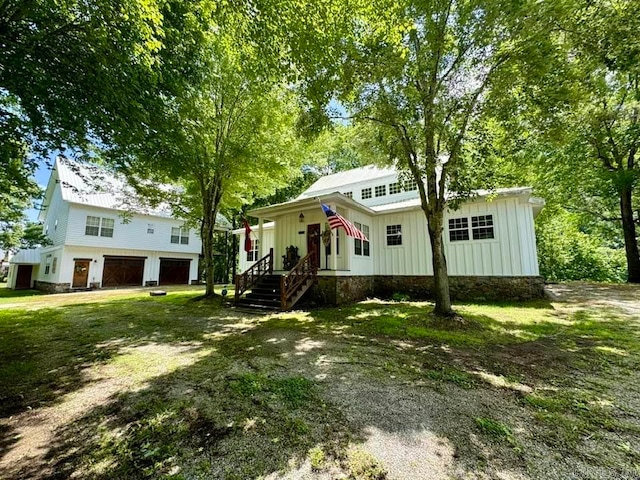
pixel 490 242
pixel 102 237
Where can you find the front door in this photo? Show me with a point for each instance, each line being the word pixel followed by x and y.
pixel 80 274
pixel 313 242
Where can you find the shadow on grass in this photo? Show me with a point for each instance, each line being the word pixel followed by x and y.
pixel 9 293
pixel 248 400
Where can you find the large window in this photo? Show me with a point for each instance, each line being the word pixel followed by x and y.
pixel 394 188
pixel 362 247
pixel 180 235
pixel 394 235
pixel 366 193
pixel 252 255
pixel 381 190
pixel 47 264
pixel 458 229
pixel 97 226
pixel 482 227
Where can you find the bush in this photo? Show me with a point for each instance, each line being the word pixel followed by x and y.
pixel 567 253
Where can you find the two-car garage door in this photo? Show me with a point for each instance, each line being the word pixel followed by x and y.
pixel 129 271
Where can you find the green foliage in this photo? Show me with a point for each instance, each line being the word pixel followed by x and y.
pixel 566 252
pixel 495 429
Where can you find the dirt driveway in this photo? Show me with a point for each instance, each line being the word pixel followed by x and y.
pixel 134 387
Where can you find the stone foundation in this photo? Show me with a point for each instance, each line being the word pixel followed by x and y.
pixel 340 290
pixel 462 288
pixel 345 290
pixel 48 287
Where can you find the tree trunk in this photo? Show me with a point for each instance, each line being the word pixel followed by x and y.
pixel 208 229
pixel 440 276
pixel 630 239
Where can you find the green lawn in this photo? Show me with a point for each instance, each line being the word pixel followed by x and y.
pixel 119 384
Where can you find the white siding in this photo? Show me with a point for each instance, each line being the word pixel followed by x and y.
pixel 510 253
pixel 267 240
pixel 66 262
pixel 132 233
pixel 56 217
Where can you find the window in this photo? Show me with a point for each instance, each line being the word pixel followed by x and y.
pixel 46 229
pixel 394 188
pixel 458 229
pixel 381 190
pixel 410 185
pixel 394 235
pixel 107 227
pixel 54 264
pixel 348 194
pixel 252 255
pixel 150 228
pixel 180 235
pixel 55 225
pixel 360 246
pixel 93 226
pixel 47 264
pixel 482 227
pixel 366 193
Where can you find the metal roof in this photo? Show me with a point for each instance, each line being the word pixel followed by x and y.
pixel 331 183
pixel 29 256
pixel 89 184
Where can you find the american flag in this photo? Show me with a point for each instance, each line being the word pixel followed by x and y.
pixel 336 221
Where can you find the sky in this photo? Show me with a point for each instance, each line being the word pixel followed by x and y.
pixel 42 177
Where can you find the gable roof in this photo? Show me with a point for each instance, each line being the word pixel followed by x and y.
pixel 333 182
pixel 92 185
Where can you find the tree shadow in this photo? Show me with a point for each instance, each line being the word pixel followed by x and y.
pixel 253 395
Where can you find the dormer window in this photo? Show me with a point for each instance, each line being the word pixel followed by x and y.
pixel 366 193
pixel 348 194
pixel 381 190
pixel 410 185
pixel 394 188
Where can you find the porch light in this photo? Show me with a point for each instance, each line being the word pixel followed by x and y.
pixel 301 218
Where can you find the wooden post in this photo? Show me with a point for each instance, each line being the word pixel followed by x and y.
pixel 270 261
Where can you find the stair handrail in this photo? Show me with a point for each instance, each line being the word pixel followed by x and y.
pixel 305 269
pixel 247 279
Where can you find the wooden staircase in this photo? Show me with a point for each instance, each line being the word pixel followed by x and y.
pixel 259 289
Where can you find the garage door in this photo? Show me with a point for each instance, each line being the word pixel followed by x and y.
pixel 174 271
pixel 122 271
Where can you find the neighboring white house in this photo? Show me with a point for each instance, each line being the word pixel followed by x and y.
pixel 101 238
pixel 490 242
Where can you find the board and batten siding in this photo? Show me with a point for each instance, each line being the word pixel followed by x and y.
pixel 511 253
pixel 151 264
pixel 267 239
pixel 131 233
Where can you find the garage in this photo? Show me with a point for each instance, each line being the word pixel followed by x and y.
pixel 174 271
pixel 122 271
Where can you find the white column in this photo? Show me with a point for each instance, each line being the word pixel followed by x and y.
pixel 334 245
pixel 260 237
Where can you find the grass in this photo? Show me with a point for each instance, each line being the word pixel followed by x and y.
pixel 133 386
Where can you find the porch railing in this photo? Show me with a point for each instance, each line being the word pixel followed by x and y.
pixel 297 280
pixel 248 278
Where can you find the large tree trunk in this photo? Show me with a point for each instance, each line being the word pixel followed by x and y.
pixel 211 195
pixel 440 276
pixel 630 239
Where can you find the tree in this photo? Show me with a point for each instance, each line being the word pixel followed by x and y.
pixel 604 125
pixel 23 234
pixel 224 141
pixel 422 73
